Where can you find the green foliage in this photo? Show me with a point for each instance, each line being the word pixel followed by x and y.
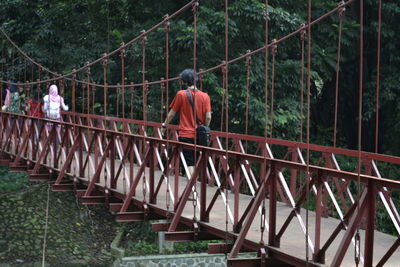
pixel 141 248
pixel 191 247
pixel 12 181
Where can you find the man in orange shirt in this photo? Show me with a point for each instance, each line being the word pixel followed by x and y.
pixel 187 121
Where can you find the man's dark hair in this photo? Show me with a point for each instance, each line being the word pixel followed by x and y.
pixel 187 76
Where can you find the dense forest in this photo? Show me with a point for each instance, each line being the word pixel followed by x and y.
pixel 63 35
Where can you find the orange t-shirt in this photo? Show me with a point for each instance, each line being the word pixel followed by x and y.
pixel 181 104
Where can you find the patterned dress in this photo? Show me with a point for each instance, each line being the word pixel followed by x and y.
pixel 14 103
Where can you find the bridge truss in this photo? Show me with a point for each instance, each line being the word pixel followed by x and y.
pixel 115 162
pixel 257 194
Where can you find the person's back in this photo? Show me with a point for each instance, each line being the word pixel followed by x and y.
pixel 53 103
pixel 52 108
pixel 187 121
pixel 187 118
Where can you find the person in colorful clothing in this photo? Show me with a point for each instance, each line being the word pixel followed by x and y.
pixel 53 103
pixel 35 104
pixel 6 100
pixel 14 104
pixel 187 121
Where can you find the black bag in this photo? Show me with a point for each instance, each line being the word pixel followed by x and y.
pixel 202 131
pixel 203 135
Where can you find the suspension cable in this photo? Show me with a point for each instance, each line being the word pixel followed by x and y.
pixel 105 63
pixel 12 60
pixel 201 79
pixel 223 97
pixel 131 89
pixel 264 151
pixel 118 90
pixel 341 15
pixel 58 76
pixel 226 71
pixel 144 87
pixel 19 69
pixel 32 71
pixel 167 28
pixel 274 50
pixel 153 28
pixel 360 103
pixel 195 10
pixel 87 120
pixel 162 89
pixel 248 62
pixel 308 125
pixel 88 93
pixel 123 55
pixel 108 26
pixel 25 69
pixel 302 38
pixel 93 96
pixel 144 93
pixel 378 72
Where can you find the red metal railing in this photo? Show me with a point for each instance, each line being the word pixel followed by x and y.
pixel 117 162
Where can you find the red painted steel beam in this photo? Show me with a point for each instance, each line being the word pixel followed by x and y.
pixel 137 216
pixel 272 238
pixel 221 234
pixel 24 144
pixel 44 150
pixel 96 175
pixel 246 226
pixel 320 257
pixel 212 231
pixel 185 196
pixel 68 160
pixel 353 224
pixel 281 163
pixel 370 230
pixel 62 187
pixel 389 253
pixel 318 218
pixel 93 200
pixel 295 210
pixel 39 177
pixel 132 190
pixel 218 248
pixel 272 141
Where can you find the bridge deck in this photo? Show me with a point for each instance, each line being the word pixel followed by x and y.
pixel 292 242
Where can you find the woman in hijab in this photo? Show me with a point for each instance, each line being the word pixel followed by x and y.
pixel 53 103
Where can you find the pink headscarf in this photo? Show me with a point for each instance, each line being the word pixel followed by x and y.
pixel 53 94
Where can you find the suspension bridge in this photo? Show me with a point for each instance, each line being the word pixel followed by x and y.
pixel 251 193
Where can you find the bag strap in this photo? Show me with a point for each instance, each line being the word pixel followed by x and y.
pixel 189 96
